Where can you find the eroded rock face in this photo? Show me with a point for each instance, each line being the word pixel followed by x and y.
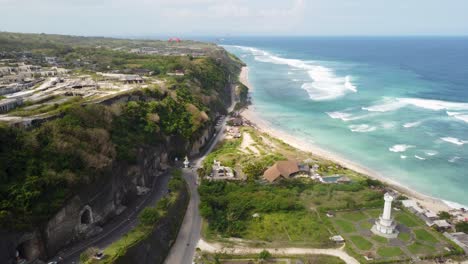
pixel 83 215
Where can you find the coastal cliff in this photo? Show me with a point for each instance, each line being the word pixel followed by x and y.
pixel 64 179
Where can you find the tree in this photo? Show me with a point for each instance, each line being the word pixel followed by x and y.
pixel 264 255
pixel 444 215
pixel 462 227
pixel 149 216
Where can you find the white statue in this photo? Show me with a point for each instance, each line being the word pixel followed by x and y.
pixel 186 162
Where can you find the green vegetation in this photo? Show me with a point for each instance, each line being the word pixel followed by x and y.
pixel 380 239
pixel 345 226
pixel 462 227
pixel 389 252
pixel 421 249
pixel 46 165
pixel 403 236
pixel 361 243
pixel 424 235
pixel 444 215
pixel 408 220
pixel 264 255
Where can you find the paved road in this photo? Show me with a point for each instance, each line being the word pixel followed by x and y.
pixel 183 250
pixel 119 225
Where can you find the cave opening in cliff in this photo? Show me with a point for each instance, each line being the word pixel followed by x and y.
pixel 86 217
pixel 21 252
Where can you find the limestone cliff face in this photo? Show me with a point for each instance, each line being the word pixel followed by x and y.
pixel 85 213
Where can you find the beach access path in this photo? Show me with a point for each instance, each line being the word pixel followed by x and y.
pixel 238 250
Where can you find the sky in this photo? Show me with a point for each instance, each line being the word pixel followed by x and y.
pixel 235 17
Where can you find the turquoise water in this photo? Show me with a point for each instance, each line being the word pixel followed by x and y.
pixel 395 105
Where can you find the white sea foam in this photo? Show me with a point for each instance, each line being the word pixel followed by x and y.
pixel 412 124
pixel 400 148
pixel 454 159
pixel 431 152
pixel 419 158
pixel 388 125
pixel 363 128
pixel 349 85
pixel 460 116
pixel 403 156
pixel 455 141
pixel 325 85
pixel 392 104
pixel 454 205
pixel 344 116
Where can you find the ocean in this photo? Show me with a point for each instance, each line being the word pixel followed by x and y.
pixel 396 105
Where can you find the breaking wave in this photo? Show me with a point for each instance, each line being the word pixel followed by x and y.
pixel 431 152
pixel 455 141
pixel 363 128
pixel 419 158
pixel 400 148
pixel 460 116
pixel 412 124
pixel 392 104
pixel 325 85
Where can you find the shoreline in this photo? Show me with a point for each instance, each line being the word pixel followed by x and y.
pixel 426 201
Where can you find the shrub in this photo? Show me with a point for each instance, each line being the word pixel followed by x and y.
pixel 264 255
pixel 149 216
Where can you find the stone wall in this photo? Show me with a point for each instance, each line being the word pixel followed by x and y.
pixel 154 249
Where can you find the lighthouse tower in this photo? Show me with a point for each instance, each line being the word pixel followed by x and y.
pixel 385 226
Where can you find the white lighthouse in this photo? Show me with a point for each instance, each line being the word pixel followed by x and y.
pixel 385 226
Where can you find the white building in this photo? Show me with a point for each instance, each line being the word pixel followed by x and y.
pixel 385 226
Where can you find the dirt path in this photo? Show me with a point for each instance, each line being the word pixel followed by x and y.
pixel 215 247
pixel 248 143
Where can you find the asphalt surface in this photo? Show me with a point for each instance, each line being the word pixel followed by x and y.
pixel 183 250
pixel 119 225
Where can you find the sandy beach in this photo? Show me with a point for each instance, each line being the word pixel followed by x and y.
pixel 428 202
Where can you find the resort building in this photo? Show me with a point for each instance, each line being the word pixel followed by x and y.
pixel 285 169
pixel 385 226
pixel 220 172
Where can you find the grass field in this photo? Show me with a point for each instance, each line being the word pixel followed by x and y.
pixel 389 252
pixel 408 220
pixel 424 235
pixel 345 226
pixel 414 239
pixel 289 227
pixel 361 243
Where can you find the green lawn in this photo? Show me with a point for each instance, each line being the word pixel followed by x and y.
pixel 421 249
pixel 389 252
pixel 288 227
pixel 404 236
pixel 374 213
pixel 407 219
pixel 345 226
pixel 380 239
pixel 424 235
pixel 361 243
pixel 353 216
pixel 365 225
